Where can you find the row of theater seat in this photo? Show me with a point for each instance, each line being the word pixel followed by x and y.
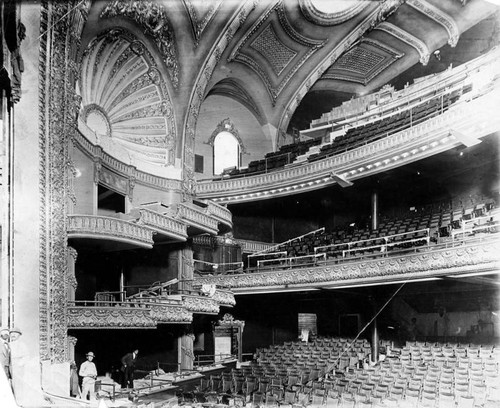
pixel 371 132
pixel 393 382
pixel 354 137
pixel 414 230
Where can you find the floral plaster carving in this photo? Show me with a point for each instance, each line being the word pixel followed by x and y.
pixel 170 314
pixel 224 297
pixel 449 261
pixel 57 118
pixel 152 17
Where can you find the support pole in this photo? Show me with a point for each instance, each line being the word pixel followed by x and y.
pixel 374 210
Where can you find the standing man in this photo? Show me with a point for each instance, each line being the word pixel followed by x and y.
pixel 5 351
pixel 88 372
pixel 128 367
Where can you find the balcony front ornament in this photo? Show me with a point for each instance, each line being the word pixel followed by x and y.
pixel 109 318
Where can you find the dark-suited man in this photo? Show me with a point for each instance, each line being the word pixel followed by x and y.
pixel 128 367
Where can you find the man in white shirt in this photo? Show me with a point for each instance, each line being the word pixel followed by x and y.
pixel 88 372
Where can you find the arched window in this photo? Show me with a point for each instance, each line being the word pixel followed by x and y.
pixel 226 152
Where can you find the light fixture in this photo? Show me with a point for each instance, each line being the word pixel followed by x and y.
pixel 437 54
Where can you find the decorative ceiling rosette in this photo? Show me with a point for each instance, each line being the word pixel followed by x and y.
pixel 329 13
pixel 125 98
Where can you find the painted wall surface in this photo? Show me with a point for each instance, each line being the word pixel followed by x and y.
pixel 212 112
pixel 83 184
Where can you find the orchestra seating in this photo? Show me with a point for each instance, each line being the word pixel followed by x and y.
pixel 336 372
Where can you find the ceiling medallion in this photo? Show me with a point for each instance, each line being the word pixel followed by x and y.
pixel 329 13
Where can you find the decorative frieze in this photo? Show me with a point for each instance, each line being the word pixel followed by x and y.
pixel 220 212
pixel 163 313
pixel 80 317
pixel 464 259
pixel 224 297
pixel 99 227
pixel 201 304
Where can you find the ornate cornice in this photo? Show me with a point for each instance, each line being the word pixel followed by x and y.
pixel 408 38
pixel 170 314
pixel 226 125
pixel 281 56
pixel 153 18
pixel 107 228
pixel 465 259
pixel 329 19
pixel 440 17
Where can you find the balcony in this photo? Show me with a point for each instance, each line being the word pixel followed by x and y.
pixel 127 314
pixel 198 219
pixel 450 260
pixel 222 215
pixel 166 227
pixel 109 233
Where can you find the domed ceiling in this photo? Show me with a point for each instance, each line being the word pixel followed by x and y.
pixel 125 99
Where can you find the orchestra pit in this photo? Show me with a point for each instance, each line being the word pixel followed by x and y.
pixel 274 203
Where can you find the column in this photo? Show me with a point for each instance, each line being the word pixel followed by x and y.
pixel 374 210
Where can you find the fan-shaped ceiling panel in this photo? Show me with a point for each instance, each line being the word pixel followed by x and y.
pixel 125 98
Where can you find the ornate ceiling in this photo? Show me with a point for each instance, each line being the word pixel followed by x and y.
pixel 147 66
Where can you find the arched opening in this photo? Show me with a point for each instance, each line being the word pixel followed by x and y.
pixel 226 152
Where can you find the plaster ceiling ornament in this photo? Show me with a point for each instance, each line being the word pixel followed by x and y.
pixel 363 62
pixel 329 13
pixel 152 17
pixel 227 126
pixel 408 38
pixel 274 50
pixel 440 17
pixel 125 98
pixel 200 14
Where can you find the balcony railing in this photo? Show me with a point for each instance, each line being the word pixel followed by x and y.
pixel 163 224
pixel 475 254
pixel 108 228
pixel 197 218
pixel 220 212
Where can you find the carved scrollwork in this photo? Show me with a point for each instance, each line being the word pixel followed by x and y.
pixel 111 318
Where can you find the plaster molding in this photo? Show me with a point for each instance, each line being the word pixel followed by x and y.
pixel 163 224
pixel 408 38
pixel 438 16
pixel 200 304
pixel 153 18
pixel 319 17
pixel 198 25
pixel 226 125
pixel 109 318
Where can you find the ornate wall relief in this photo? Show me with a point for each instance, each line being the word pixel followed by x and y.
pixel 125 99
pixel 226 126
pixel 200 14
pixel 152 17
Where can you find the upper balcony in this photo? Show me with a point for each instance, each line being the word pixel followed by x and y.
pixel 167 228
pixel 424 123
